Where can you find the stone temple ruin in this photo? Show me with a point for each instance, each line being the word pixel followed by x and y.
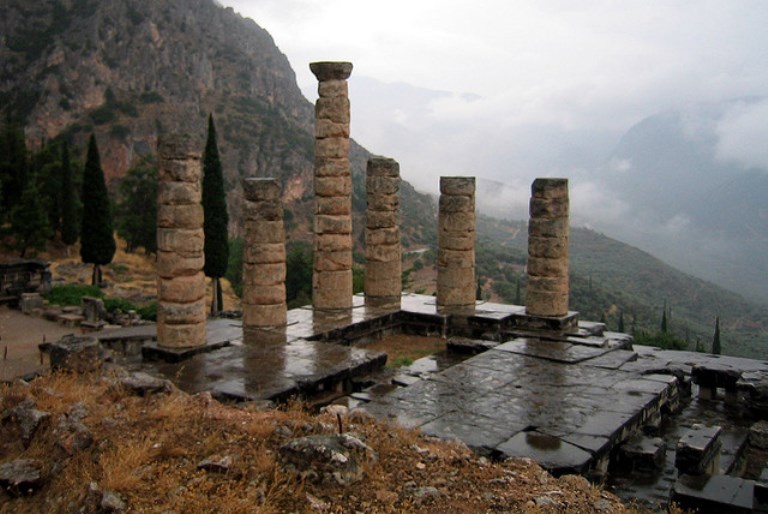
pixel 529 381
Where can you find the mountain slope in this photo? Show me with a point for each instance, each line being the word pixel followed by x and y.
pixel 130 70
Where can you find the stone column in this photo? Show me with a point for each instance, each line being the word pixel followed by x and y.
pixel 264 266
pixel 332 274
pixel 181 313
pixel 456 243
pixel 383 268
pixel 547 293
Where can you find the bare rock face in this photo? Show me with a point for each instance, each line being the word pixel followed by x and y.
pixel 327 459
pixel 21 477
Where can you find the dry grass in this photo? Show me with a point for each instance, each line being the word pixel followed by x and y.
pixel 148 450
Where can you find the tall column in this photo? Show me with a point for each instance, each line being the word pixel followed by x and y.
pixel 547 293
pixel 456 242
pixel 264 267
pixel 383 268
pixel 181 314
pixel 332 272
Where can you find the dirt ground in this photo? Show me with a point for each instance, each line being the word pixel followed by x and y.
pixel 19 336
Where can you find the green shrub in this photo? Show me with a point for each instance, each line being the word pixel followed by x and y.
pixel 112 304
pixel 70 294
pixel 148 312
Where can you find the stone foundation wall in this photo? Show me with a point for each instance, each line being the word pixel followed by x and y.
pixel 181 314
pixel 547 293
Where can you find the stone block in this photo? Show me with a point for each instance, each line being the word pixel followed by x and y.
pixel 758 435
pixel 333 185
pixel 331 70
pixel 539 227
pixel 460 242
pixel 325 167
pixel 383 236
pixel 265 232
pixel 171 264
pixel 187 171
pixel 264 253
pixel 453 203
pixel 455 258
pixel 383 253
pixel 189 216
pixel 178 146
pixel 460 278
pixel 381 219
pixel 187 242
pixel 333 242
pixel 332 148
pixel 182 313
pixel 184 289
pixel 382 166
pixel 181 336
pixel 548 284
pixel 325 224
pixel 462 186
pixel 257 189
pixel 335 109
pixel 540 303
pixel 548 247
pixel 333 261
pixel 77 354
pixel 382 184
pixel 178 193
pixel 382 202
pixel 383 279
pixel 455 296
pixel 265 210
pixel 30 302
pixel 263 274
pixel 265 315
pixel 333 88
pixel 456 222
pixel 550 188
pixel 698 450
pixel 325 128
pixel 264 295
pixel 543 267
pixel 334 205
pixel 548 208
pixel 332 289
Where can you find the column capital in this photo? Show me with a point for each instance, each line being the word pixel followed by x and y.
pixel 331 70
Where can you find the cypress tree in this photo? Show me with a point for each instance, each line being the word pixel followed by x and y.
pixel 97 241
pixel 479 291
pixel 216 218
pixel 518 298
pixel 716 347
pixel 68 200
pixel 621 321
pixel 664 319
pixel 29 220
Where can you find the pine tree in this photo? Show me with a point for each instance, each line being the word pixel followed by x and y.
pixel 68 200
pixel 97 241
pixel 216 218
pixel 29 220
pixel 13 166
pixel 136 218
pixel 716 347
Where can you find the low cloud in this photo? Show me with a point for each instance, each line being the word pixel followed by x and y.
pixel 743 132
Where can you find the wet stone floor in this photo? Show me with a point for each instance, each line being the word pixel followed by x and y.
pixel 568 399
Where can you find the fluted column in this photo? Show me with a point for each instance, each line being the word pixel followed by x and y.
pixel 383 267
pixel 181 314
pixel 332 269
pixel 456 242
pixel 547 293
pixel 264 266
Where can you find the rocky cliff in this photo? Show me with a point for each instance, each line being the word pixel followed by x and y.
pixel 129 70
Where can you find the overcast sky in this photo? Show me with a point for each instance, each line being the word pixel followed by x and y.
pixel 529 83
